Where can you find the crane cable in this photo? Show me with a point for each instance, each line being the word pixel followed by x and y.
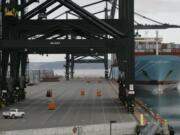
pixel 147 18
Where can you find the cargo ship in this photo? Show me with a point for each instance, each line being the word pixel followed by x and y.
pixel 157 65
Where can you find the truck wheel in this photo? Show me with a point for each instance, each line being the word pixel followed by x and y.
pixel 22 116
pixel 5 117
pixel 13 116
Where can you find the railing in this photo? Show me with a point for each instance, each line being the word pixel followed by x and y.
pixel 175 52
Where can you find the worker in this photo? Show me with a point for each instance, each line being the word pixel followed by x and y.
pixel 130 99
pixel 10 9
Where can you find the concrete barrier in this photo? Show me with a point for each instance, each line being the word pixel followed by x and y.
pixel 125 128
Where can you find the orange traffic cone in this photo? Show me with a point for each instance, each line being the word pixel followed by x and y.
pixel 82 92
pixel 51 105
pixel 99 81
pixel 98 93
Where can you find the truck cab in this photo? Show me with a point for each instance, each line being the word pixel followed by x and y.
pixel 13 113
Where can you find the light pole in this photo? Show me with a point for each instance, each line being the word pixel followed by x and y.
pixel 111 121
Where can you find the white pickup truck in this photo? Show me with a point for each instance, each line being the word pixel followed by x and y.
pixel 13 113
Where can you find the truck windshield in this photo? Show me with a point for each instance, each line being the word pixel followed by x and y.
pixel 12 110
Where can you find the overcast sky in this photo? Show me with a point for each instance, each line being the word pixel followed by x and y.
pixel 166 11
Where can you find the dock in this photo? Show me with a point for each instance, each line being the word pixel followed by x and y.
pixel 73 109
pixel 74 106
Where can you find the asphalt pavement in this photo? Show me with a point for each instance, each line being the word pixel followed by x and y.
pixel 72 108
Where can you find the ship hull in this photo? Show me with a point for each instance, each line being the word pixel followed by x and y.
pixel 155 73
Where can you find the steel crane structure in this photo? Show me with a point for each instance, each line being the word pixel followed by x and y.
pixel 108 14
pixel 35 31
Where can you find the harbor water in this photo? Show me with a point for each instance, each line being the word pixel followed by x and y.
pixel 167 105
pixel 83 72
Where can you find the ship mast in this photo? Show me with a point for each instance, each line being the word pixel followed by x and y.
pixel 157 45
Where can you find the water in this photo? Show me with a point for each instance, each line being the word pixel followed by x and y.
pixel 83 72
pixel 167 105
